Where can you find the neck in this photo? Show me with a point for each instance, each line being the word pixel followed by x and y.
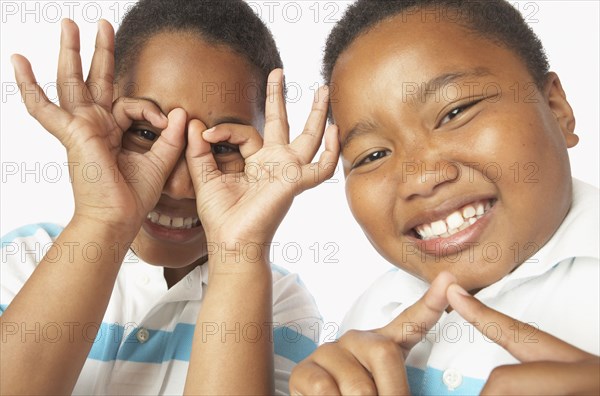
pixel 174 275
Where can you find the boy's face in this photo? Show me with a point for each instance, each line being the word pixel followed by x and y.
pixel 213 85
pixel 453 159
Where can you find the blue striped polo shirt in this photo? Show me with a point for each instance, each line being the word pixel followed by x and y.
pixel 144 342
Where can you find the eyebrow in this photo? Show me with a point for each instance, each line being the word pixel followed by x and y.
pixel 435 84
pixel 231 120
pixel 443 80
pixel 361 128
pixel 220 120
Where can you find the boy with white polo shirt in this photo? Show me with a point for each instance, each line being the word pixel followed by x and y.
pixel 161 282
pixel 497 285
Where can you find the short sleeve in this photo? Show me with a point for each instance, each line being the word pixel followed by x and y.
pixel 22 250
pixel 297 325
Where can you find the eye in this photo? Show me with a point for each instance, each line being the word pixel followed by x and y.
pixel 372 157
pixel 221 149
pixel 146 134
pixel 457 111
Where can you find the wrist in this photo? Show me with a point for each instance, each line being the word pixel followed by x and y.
pixel 237 252
pixel 123 232
pixel 121 227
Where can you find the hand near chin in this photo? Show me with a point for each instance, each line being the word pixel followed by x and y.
pixel 372 362
pixel 548 364
pixel 111 186
pixel 246 207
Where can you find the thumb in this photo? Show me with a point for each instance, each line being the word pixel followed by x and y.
pixel 168 147
pixel 200 160
pixel 409 328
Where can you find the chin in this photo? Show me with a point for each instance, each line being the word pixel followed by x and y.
pixel 168 254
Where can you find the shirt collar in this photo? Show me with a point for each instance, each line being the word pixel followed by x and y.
pixel 189 288
pixel 577 236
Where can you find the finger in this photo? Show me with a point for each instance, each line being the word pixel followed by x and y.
pixel 167 149
pixel 200 160
pixel 382 357
pixel 348 372
pixel 101 77
pixel 307 144
pixel 245 136
pixel 308 378
pixel 49 115
pixel 524 341
pixel 409 328
pixel 276 122
pixel 126 110
pixel 72 90
pixel 316 173
pixel 544 378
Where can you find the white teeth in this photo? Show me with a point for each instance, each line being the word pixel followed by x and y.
pixel 427 231
pixel 468 211
pixel 439 227
pixel 173 222
pixel 479 209
pixel 164 220
pixel 454 220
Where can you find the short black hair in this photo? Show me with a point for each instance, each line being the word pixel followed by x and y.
pixel 496 20
pixel 230 23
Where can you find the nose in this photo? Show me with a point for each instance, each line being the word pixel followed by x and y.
pixel 179 184
pixel 422 176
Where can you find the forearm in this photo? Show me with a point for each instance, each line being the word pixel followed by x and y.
pixel 69 289
pixel 232 351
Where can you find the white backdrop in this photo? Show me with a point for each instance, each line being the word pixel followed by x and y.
pixel 318 239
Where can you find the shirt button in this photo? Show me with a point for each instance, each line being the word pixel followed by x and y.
pixel 142 335
pixel 452 379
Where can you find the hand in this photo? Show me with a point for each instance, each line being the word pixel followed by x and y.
pixel 548 364
pixel 111 185
pixel 246 207
pixel 372 362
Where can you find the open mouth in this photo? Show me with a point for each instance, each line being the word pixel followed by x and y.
pixel 175 223
pixel 457 221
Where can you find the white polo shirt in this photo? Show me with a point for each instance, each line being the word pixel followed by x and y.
pixel 557 290
pixel 144 343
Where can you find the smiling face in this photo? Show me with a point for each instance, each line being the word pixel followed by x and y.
pixel 454 159
pixel 212 84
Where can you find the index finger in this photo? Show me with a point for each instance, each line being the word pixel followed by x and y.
pixel 246 137
pixel 522 340
pixel 409 328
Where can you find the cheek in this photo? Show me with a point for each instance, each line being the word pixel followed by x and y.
pixel 371 200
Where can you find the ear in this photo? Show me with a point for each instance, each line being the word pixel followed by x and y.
pixel 560 107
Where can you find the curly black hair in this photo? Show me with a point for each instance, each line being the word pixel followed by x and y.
pixel 495 20
pixel 231 23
